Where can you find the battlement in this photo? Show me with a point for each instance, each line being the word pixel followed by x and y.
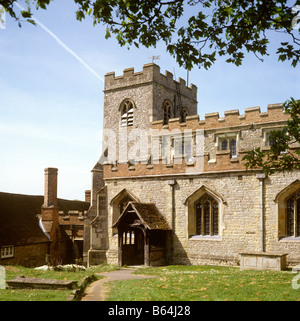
pixel 150 74
pixel 252 115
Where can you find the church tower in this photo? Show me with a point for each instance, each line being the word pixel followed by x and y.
pixel 134 100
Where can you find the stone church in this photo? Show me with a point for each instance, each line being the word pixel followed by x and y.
pixel 171 188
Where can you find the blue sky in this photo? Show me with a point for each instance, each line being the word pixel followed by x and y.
pixel 51 104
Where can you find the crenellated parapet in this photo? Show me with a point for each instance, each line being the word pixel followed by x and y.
pixel 232 118
pixel 151 73
pixel 214 144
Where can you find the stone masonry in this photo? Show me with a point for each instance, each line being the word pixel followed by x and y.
pixel 217 208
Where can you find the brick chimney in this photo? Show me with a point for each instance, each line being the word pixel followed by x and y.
pixel 50 196
pixel 88 196
pixel 49 211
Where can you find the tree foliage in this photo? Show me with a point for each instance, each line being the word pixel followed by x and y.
pixel 196 32
pixel 284 153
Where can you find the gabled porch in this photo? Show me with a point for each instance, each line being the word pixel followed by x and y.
pixel 143 235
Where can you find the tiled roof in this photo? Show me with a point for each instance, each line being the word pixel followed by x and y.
pixel 148 214
pixel 19 224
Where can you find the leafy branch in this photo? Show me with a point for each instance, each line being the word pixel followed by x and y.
pixel 214 27
pixel 281 156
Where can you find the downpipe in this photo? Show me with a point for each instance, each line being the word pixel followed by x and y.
pixel 261 178
pixel 172 184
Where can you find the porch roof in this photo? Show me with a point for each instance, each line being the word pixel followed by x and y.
pixel 148 214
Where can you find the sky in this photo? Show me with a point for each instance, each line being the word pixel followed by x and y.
pixel 51 94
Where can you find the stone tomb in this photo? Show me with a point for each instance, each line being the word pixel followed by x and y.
pixel 22 282
pixel 263 261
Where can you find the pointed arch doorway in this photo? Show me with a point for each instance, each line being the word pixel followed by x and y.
pixel 142 235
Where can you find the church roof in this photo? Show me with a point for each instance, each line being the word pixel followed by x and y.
pixel 147 213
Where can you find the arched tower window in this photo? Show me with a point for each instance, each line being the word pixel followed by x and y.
pixel 167 112
pixel 184 114
pixel 127 113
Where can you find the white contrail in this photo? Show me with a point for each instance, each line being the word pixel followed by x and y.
pixel 63 44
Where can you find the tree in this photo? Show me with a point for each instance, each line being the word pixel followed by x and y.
pixel 209 28
pixel 281 156
pixel 213 27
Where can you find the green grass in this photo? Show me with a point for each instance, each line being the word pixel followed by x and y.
pixel 206 283
pixel 171 283
pixel 45 295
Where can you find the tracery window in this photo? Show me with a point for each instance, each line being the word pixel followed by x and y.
pixel 127 113
pixel 207 216
pixel 293 215
pixel 167 112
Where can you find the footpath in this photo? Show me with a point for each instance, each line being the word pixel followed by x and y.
pixel 98 290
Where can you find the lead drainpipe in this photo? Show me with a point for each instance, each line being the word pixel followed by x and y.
pixel 91 229
pixel 261 178
pixel 172 188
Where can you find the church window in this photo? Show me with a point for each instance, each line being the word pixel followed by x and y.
pixel 232 147
pixel 224 144
pixel 207 216
pixel 293 215
pixel 271 141
pixel 228 142
pixel 127 113
pixel 184 114
pixel 268 141
pixel 167 112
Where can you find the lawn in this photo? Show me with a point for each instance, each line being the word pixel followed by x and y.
pixel 45 295
pixel 171 283
pixel 206 283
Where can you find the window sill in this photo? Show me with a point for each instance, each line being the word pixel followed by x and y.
pixel 289 239
pixel 205 237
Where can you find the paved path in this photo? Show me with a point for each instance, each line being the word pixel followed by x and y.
pixel 98 290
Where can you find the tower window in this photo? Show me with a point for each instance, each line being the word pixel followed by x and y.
pixel 127 114
pixel 167 112
pixel 184 114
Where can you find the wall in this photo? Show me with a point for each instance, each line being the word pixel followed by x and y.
pixel 239 224
pixel 28 255
pixel 216 171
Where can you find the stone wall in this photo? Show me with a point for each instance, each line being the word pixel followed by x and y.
pixel 239 224
pixel 210 170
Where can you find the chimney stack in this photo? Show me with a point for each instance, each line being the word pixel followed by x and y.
pixel 49 211
pixel 88 196
pixel 50 196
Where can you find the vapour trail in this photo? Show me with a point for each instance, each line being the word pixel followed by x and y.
pixel 63 45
